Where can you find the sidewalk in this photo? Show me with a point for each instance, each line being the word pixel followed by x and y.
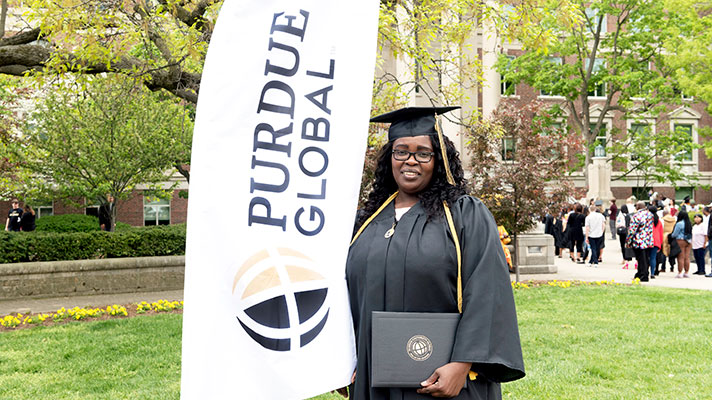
pixel 611 268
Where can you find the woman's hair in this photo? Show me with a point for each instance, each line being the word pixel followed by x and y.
pixel 682 216
pixel 29 209
pixel 578 208
pixel 624 209
pixel 654 211
pixel 698 216
pixel 432 197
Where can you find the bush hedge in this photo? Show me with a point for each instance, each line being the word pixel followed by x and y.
pixel 67 223
pixel 52 246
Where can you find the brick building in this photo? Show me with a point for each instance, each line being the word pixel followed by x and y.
pixel 484 45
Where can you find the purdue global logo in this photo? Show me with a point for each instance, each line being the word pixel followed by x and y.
pixel 282 299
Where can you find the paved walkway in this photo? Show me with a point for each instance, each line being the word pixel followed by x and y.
pixel 611 268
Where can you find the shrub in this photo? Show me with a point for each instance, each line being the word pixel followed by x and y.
pixel 68 223
pixel 52 246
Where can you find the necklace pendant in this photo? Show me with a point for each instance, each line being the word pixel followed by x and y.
pixel 389 233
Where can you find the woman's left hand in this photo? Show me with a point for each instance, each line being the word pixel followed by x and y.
pixel 446 381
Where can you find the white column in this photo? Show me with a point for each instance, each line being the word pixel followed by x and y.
pixel 490 51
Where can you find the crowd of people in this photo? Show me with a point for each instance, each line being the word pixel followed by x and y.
pixel 652 235
pixel 20 218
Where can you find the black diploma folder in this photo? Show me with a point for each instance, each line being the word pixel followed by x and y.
pixel 408 347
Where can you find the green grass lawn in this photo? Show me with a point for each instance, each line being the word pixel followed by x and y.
pixel 579 343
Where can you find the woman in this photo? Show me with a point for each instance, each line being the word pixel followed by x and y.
pixel 403 258
pixel 657 241
pixel 575 225
pixel 699 244
pixel 27 223
pixel 668 225
pixel 682 233
pixel 622 224
pixel 560 242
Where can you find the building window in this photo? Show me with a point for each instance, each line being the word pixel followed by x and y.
pixel 547 91
pixel 681 193
pixel 44 210
pixel 508 148
pixel 592 16
pixel 507 88
pixel 636 132
pixel 641 193
pixel 598 89
pixel 92 210
pixel 156 211
pixel 600 142
pixel 685 156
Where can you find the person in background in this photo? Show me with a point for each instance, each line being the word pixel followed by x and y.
pixel 105 211
pixel 595 230
pixel 699 243
pixel 640 239
pixel 28 219
pixel 682 233
pixel 686 205
pixel 612 215
pixel 558 232
pixel 668 225
pixel 673 208
pixel 575 224
pixel 505 239
pixel 14 216
pixel 622 223
pixel 657 242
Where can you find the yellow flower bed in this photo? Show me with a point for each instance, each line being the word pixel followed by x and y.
pixel 566 284
pixel 79 313
pixel 159 306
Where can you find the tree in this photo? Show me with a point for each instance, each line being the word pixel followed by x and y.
pixel 12 91
pixel 688 47
pixel 614 59
pixel 521 161
pixel 162 43
pixel 104 136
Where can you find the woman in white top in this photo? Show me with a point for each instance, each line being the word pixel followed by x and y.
pixel 699 244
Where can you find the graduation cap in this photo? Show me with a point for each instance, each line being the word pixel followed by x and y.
pixel 417 121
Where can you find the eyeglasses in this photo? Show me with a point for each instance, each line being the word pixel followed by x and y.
pixel 420 156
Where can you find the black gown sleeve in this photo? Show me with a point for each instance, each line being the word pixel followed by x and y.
pixel 488 334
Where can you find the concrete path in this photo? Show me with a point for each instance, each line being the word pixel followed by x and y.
pixel 611 268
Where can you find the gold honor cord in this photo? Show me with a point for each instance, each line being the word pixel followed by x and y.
pixel 368 221
pixel 443 149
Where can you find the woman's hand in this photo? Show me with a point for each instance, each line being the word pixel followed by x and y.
pixel 446 381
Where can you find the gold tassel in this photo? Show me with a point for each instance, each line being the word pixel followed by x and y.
pixel 438 128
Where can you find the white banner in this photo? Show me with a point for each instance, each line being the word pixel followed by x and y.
pixel 278 150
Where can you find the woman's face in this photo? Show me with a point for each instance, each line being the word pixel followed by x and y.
pixel 411 176
pixel 698 219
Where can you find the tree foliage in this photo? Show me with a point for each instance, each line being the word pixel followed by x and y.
pixel 537 162
pixel 162 42
pixel 613 58
pixel 101 136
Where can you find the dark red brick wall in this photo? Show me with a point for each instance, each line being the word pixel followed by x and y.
pixel 130 211
pixel 61 207
pixel 179 208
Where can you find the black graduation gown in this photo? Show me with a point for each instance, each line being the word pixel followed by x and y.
pixel 416 271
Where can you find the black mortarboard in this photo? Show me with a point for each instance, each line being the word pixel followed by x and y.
pixel 418 121
pixel 412 121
